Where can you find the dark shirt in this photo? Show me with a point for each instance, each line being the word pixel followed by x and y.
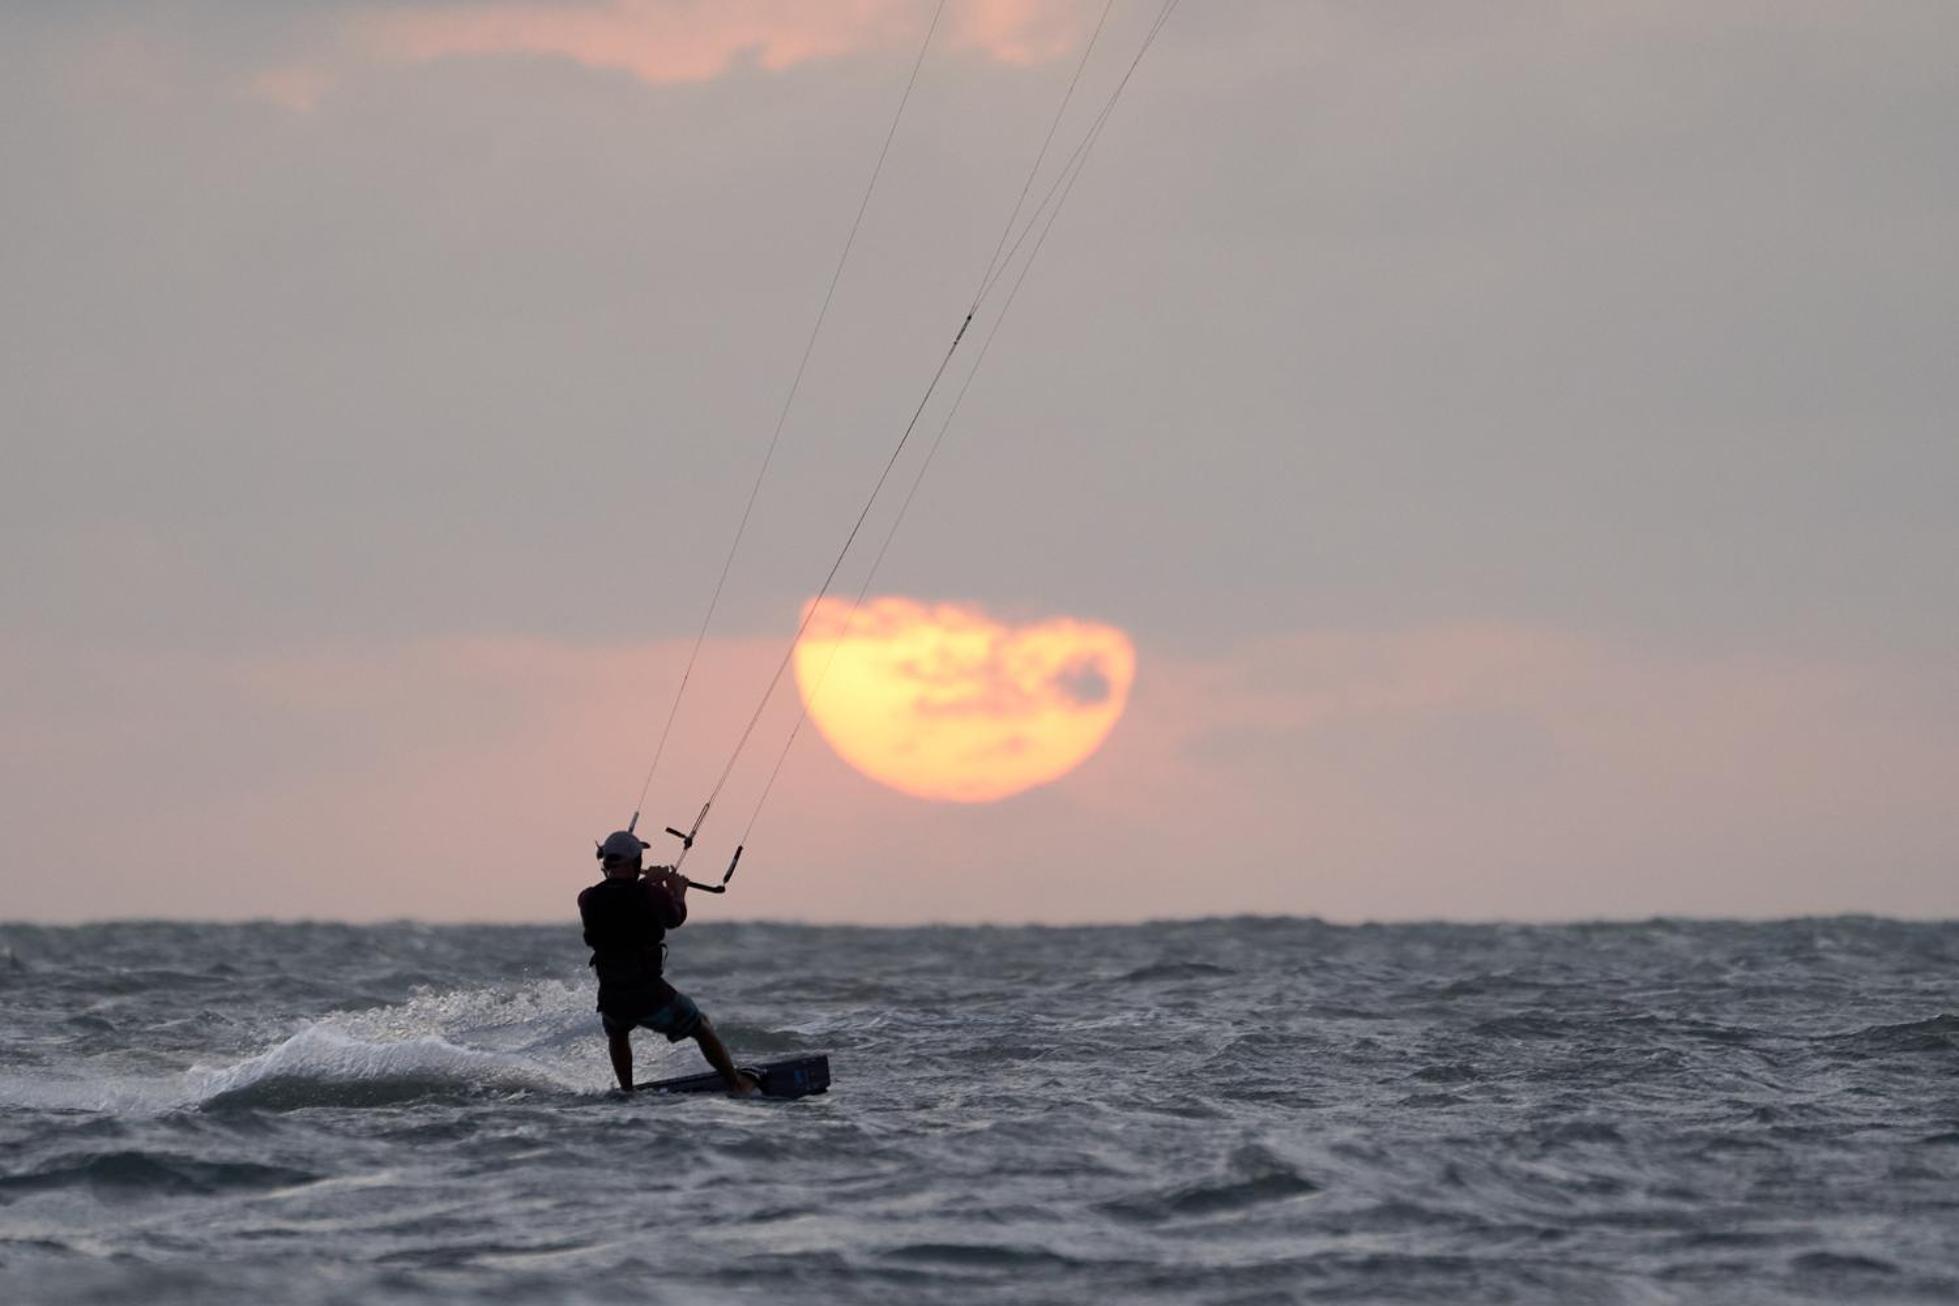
pixel 626 924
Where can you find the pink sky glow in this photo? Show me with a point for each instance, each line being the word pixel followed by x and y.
pixel 1440 771
pixel 663 41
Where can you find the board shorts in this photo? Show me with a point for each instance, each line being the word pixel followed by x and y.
pixel 679 1019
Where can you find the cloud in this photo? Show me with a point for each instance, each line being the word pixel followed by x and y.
pixel 677 41
pixel 659 42
pixel 295 87
pixel 1084 682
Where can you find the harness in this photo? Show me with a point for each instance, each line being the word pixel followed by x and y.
pixel 645 963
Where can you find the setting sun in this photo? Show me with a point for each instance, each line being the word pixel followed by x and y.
pixel 942 701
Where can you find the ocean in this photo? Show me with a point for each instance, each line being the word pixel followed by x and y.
pixel 1224 1111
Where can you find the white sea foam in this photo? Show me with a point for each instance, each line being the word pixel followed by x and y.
pixel 326 1056
pixel 526 1017
pixel 539 1037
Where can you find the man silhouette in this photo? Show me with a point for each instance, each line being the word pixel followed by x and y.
pixel 626 917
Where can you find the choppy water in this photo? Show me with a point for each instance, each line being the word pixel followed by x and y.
pixel 1238 1111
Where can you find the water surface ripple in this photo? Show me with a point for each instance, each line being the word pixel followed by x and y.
pixel 1228 1111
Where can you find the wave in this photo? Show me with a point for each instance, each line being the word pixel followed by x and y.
pixel 1176 970
pixel 1523 1025
pixel 1018 1257
pixel 1254 1177
pixel 539 1037
pixel 321 1066
pixel 1938 1034
pixel 127 1174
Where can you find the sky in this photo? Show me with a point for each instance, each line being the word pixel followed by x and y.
pixel 1513 446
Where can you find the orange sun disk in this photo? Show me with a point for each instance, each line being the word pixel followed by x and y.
pixel 942 701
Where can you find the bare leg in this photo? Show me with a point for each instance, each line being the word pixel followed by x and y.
pixel 620 1044
pixel 724 1065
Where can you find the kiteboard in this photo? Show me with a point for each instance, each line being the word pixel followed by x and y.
pixel 797 1077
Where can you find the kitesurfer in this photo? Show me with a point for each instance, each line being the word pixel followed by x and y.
pixel 626 917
